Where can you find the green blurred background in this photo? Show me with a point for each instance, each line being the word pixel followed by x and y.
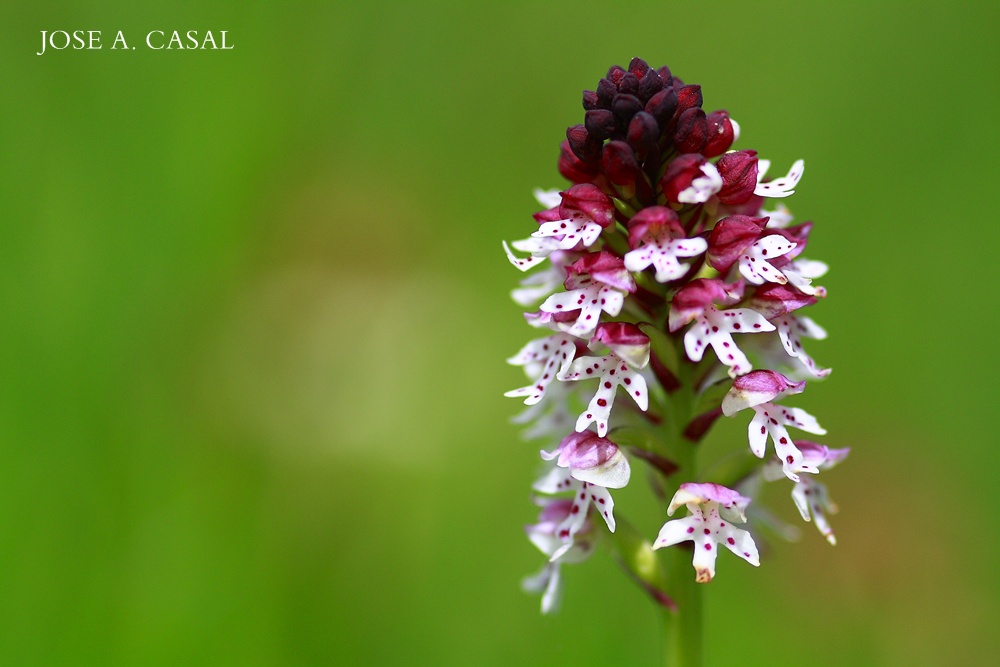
pixel 254 318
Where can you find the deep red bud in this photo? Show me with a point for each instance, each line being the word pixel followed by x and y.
pixel 688 97
pixel 638 67
pixel 679 174
pixel 573 169
pixel 730 237
pixel 624 107
pixel 582 144
pixel 629 84
pixel 650 85
pixel 662 106
pixel 720 134
pixel 739 177
pixel 589 100
pixel 600 123
pixel 691 132
pixel 589 200
pixel 606 92
pixel 643 134
pixel 616 74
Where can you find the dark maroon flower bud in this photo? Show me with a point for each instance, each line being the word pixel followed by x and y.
pixel 650 85
pixel 730 238
pixel 691 132
pixel 679 174
pixel 585 147
pixel 688 97
pixel 573 169
pixel 665 76
pixel 606 92
pixel 638 67
pixel 662 106
pixel 620 167
pixel 600 123
pixel 643 134
pixel 721 134
pixel 625 106
pixel 589 100
pixel 739 177
pixel 648 223
pixel 615 75
pixel 629 84
pixel 589 200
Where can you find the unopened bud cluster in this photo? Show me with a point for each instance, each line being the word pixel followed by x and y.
pixel 668 292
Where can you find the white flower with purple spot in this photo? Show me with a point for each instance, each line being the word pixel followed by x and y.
pixel 810 497
pixel 544 359
pixel 657 238
pixel 703 187
pixel 791 329
pixel 755 390
pixel 597 282
pixel 712 327
pixel 574 222
pixel 779 187
pixel 713 509
pixel 611 372
pixel 754 262
pixel 544 535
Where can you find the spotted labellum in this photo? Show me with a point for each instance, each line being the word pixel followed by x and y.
pixel 669 282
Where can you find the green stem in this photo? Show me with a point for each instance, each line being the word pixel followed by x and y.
pixel 682 633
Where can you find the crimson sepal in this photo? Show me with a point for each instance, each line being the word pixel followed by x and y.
pixel 573 169
pixel 739 177
pixel 603 267
pixel 589 100
pixel 584 146
pixel 688 97
pixel 638 67
pixel 649 221
pixel 589 200
pixel 606 92
pixel 679 174
pixel 548 215
pixel 643 134
pixel 730 237
pixel 615 75
pixel 774 300
pixel 662 106
pixel 691 131
pixel 621 168
pixel 720 134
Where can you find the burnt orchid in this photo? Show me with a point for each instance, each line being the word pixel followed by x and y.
pixel 670 270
